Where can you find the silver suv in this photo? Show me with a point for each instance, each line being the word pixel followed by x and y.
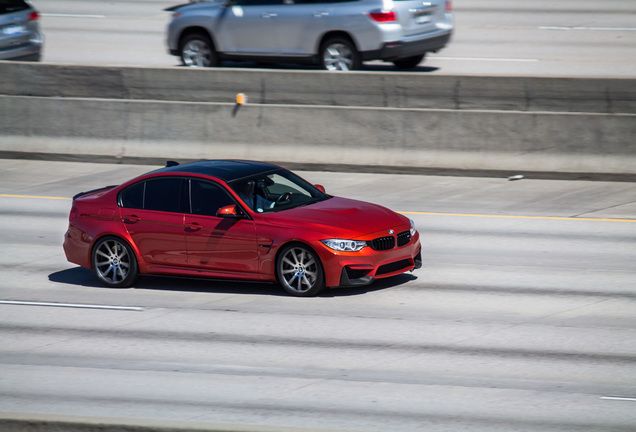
pixel 335 34
pixel 20 37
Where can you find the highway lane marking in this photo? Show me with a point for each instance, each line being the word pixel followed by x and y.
pixel 619 398
pixel 71 305
pixel 520 217
pixel 35 196
pixel 72 15
pixel 486 59
pixel 587 28
pixel 417 213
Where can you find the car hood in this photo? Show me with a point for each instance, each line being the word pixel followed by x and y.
pixel 339 218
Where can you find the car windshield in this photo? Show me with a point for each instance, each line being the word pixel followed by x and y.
pixel 276 191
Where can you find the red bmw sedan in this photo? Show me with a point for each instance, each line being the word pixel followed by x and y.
pixel 242 220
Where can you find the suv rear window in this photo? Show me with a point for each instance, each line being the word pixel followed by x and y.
pixel 8 6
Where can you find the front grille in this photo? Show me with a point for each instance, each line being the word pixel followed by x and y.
pixel 403 238
pixel 393 267
pixel 382 243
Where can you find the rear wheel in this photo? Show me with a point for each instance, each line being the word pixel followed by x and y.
pixel 299 271
pixel 197 50
pixel 408 62
pixel 114 262
pixel 339 53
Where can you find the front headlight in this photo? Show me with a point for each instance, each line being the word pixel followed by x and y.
pixel 412 228
pixel 344 245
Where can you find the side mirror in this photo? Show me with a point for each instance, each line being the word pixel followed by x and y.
pixel 231 211
pixel 321 188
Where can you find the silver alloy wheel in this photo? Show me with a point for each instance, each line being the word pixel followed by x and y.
pixel 112 262
pixel 197 53
pixel 338 56
pixel 299 271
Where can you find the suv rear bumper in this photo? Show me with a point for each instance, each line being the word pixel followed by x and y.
pixel 402 49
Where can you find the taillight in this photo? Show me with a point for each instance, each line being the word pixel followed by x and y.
pixel 34 16
pixel 73 214
pixel 383 16
pixel 449 5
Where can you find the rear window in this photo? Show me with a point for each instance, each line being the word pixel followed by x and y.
pixel 8 6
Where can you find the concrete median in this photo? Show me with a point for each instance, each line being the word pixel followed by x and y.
pixel 18 422
pixel 487 125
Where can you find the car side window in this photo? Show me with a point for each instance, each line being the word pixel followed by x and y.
pixel 162 194
pixel 133 196
pixel 206 198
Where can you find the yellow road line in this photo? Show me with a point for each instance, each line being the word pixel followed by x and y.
pixel 34 196
pixel 520 217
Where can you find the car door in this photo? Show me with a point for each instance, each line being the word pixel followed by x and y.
pixel 250 27
pixel 302 23
pixel 153 213
pixel 219 244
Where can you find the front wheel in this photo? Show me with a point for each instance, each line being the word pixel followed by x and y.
pixel 299 271
pixel 197 50
pixel 114 262
pixel 408 62
pixel 339 54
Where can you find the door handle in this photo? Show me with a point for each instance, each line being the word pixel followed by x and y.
pixel 193 227
pixel 269 15
pixel 320 14
pixel 131 219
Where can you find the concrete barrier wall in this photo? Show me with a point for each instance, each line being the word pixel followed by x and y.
pixel 372 119
pixel 374 89
pixel 460 139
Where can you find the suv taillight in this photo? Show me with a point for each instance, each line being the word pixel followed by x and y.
pixel 34 16
pixel 383 16
pixel 449 5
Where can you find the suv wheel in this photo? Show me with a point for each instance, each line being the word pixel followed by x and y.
pixel 339 54
pixel 408 62
pixel 197 51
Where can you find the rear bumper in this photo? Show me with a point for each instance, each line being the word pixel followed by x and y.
pixel 408 48
pixel 27 51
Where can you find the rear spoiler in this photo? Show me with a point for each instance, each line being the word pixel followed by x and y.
pixel 94 190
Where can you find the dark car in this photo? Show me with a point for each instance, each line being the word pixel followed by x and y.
pixel 20 36
pixel 237 220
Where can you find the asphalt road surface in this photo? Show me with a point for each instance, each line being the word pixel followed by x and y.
pixel 523 317
pixel 494 37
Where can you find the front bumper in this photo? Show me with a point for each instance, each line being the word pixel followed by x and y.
pixel 362 268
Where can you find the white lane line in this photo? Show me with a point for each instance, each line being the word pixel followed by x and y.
pixel 619 398
pixel 71 15
pixel 587 28
pixel 71 305
pixel 485 59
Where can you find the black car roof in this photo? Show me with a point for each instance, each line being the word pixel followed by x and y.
pixel 226 170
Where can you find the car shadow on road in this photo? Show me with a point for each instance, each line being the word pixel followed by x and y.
pixel 84 277
pixel 377 66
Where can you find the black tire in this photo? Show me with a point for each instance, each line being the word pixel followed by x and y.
pixel 408 62
pixel 197 50
pixel 114 262
pixel 339 53
pixel 299 271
